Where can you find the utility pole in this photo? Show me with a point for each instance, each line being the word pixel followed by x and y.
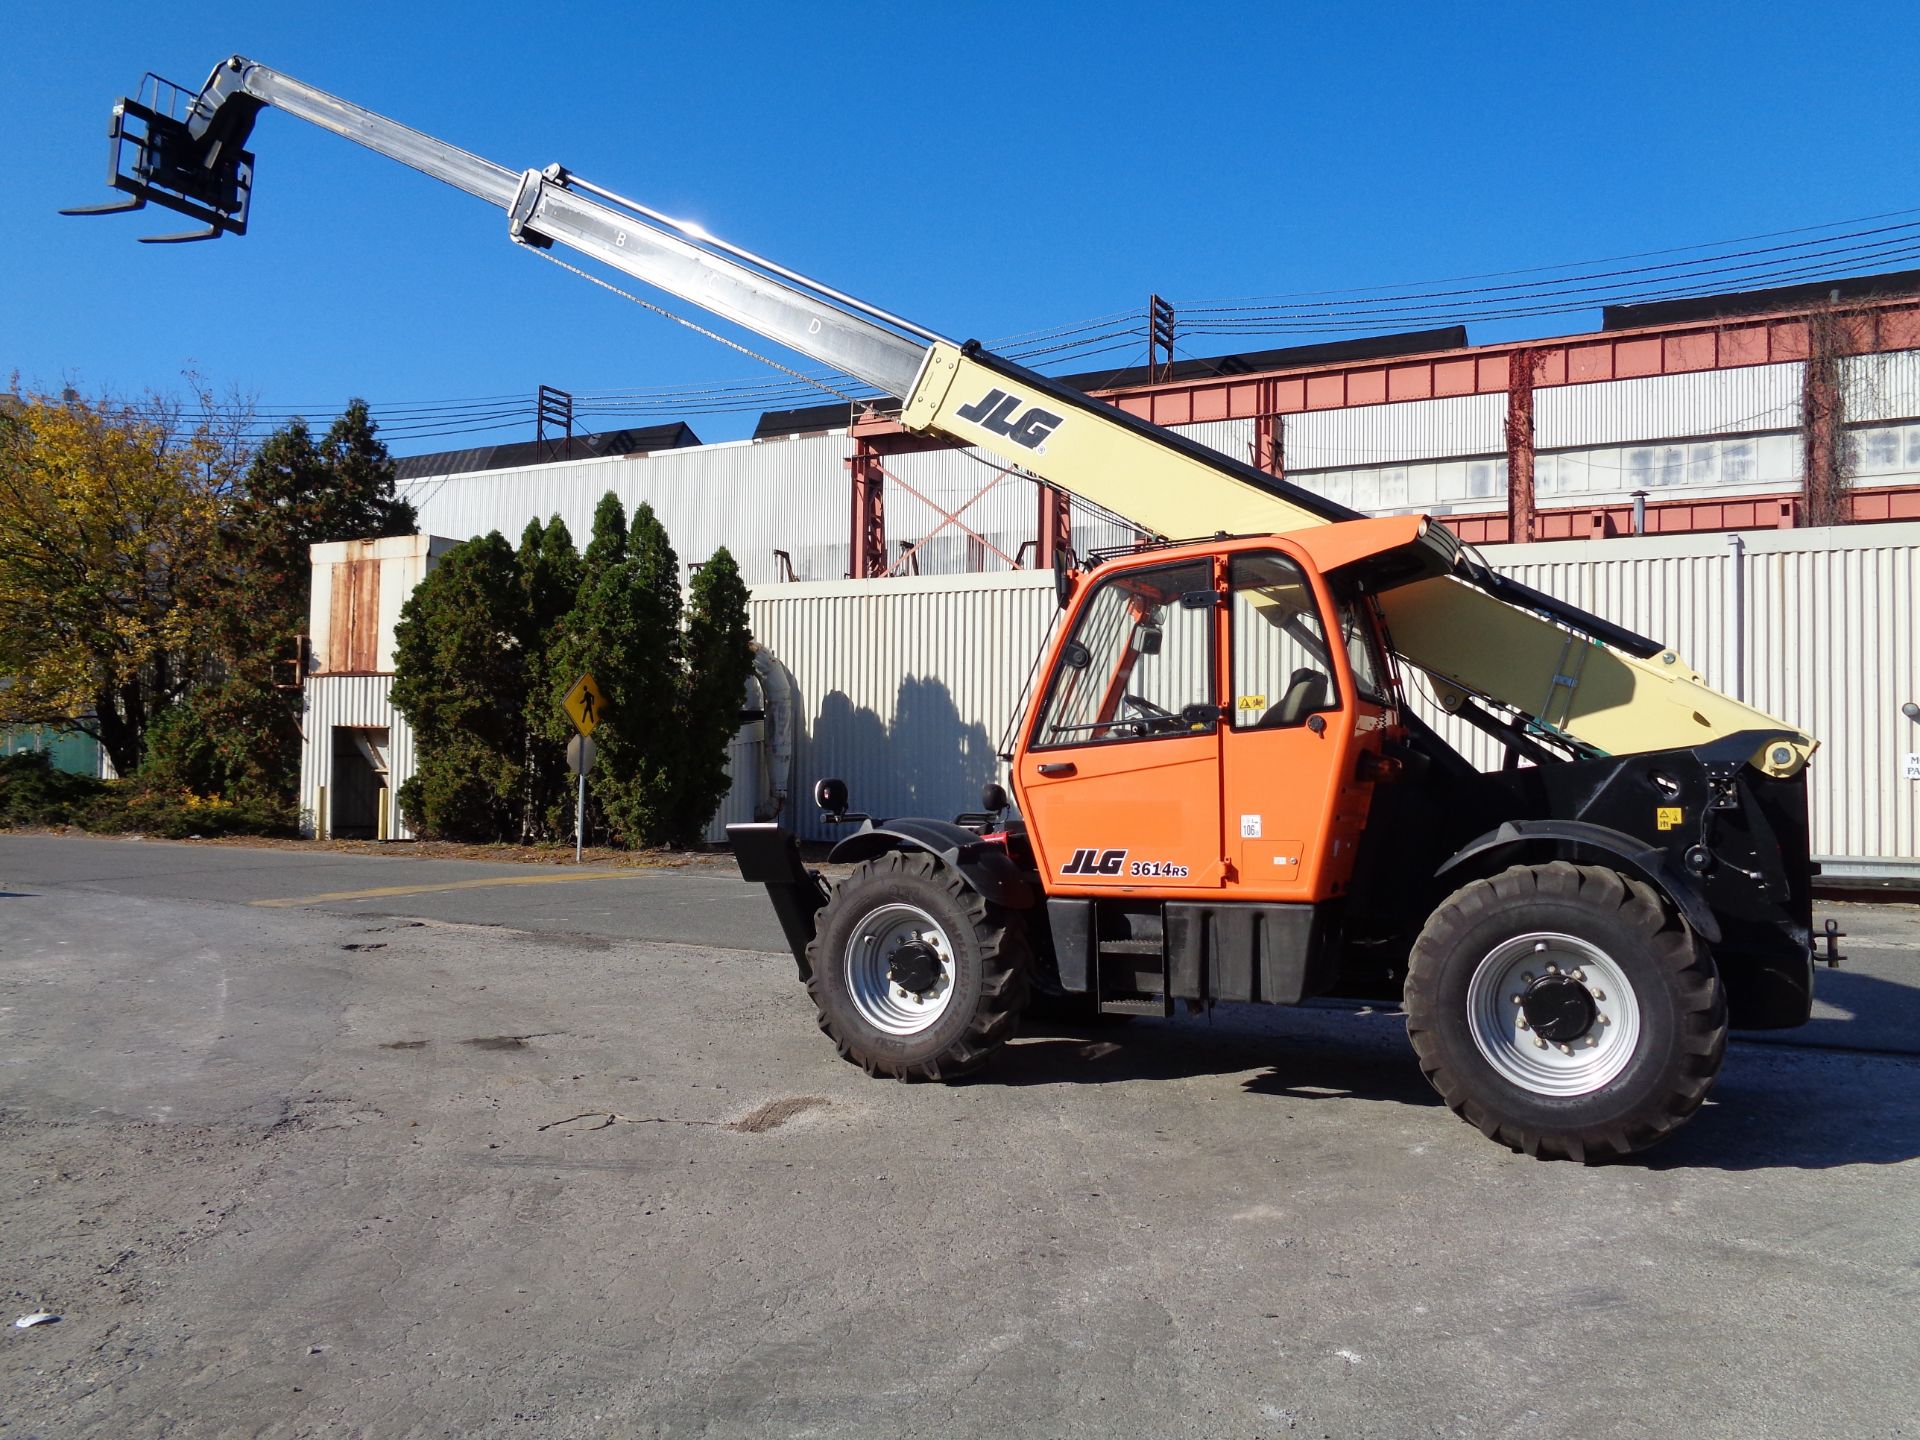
pixel 553 407
pixel 1159 340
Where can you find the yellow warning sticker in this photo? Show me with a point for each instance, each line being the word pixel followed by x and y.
pixel 1667 817
pixel 1253 702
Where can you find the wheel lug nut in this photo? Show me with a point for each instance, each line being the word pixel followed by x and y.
pixel 1591 1042
pixel 1519 999
pixel 1566 1049
pixel 1553 969
pixel 1599 994
pixel 1538 946
pixel 1526 977
pixel 1603 1020
pixel 1579 975
pixel 1521 1022
pixel 1540 1043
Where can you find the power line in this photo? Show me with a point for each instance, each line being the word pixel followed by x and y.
pixel 1835 248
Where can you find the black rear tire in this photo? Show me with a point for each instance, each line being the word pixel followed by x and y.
pixel 982 987
pixel 1671 1003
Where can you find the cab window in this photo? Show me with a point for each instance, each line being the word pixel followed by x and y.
pixel 1282 670
pixel 1364 659
pixel 1139 663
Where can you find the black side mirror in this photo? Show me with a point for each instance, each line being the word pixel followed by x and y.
pixel 831 796
pixel 1062 578
pixel 993 797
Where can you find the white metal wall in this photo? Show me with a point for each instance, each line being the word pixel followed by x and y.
pixel 1885 386
pixel 352 700
pixel 754 497
pixel 1704 433
pixel 1658 407
pixel 926 483
pixel 1829 641
pixel 904 688
pixel 1447 428
pixel 743 769
pixel 1232 438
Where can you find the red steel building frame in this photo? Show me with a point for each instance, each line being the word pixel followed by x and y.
pixel 1518 369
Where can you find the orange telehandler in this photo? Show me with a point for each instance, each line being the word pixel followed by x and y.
pixel 1223 792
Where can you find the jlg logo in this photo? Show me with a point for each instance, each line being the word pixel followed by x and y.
pixel 1095 862
pixel 994 411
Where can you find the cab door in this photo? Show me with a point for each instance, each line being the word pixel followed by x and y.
pixel 1302 719
pixel 1119 778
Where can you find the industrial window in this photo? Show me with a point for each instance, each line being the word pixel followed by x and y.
pixel 1281 669
pixel 1877 448
pixel 1140 655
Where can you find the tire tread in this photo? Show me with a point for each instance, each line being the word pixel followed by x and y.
pixel 1701 1011
pixel 1004 963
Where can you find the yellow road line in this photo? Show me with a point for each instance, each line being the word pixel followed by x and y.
pixel 381 892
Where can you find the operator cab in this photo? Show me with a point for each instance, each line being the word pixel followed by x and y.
pixel 1213 717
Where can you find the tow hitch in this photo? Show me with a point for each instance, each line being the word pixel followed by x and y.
pixel 1831 936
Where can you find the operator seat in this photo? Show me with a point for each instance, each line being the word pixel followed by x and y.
pixel 1306 692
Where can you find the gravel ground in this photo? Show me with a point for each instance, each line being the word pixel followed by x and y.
pixel 293 1171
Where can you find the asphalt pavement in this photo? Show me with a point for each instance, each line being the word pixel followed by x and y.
pixel 308 1144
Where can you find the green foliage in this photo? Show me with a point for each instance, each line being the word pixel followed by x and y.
pixel 550 571
pixel 631 643
pixel 181 815
pixel 110 522
pixel 490 643
pixel 233 739
pixel 301 492
pixel 32 793
pixel 298 492
pixel 459 679
pixel 608 543
pixel 719 653
pixel 463 790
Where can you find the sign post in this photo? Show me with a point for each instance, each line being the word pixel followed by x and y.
pixel 586 707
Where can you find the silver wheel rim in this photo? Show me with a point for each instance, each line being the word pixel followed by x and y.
pixel 881 1002
pixel 1577 1065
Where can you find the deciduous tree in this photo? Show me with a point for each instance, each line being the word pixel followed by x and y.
pixel 110 523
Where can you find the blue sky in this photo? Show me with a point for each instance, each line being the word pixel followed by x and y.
pixel 983 169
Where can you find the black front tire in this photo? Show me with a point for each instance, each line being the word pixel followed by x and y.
pixel 988 983
pixel 1679 1015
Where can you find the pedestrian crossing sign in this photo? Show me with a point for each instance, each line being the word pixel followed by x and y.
pixel 585 705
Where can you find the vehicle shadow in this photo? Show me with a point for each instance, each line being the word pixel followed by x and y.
pixel 1298 1054
pixel 1774 1108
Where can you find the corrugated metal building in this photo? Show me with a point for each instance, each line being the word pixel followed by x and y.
pixel 356 749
